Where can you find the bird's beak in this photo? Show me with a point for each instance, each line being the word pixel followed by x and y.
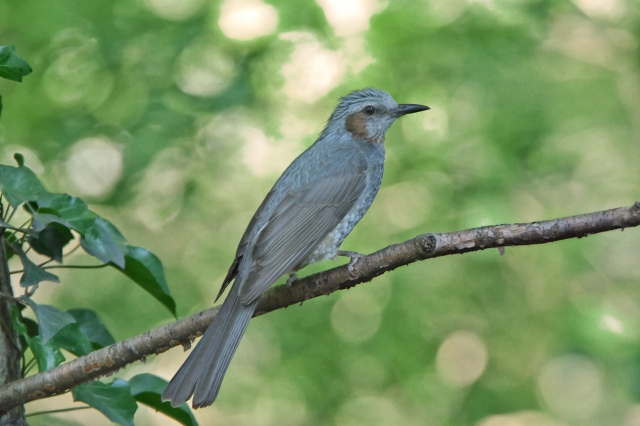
pixel 404 109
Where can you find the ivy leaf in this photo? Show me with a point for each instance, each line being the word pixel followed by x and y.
pixel 33 274
pixel 146 270
pixel 147 389
pixel 64 209
pixel 142 266
pixel 50 319
pixel 102 242
pixel 92 327
pixel 86 335
pixel 12 66
pixel 71 338
pixel 114 400
pixel 19 184
pixel 47 355
pixel 51 240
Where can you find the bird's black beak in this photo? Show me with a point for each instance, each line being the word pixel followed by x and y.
pixel 404 109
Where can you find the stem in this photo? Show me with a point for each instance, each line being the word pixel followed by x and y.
pixel 10 352
pixel 67 267
pixel 62 410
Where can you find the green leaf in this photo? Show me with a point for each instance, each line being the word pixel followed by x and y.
pixel 69 211
pixel 9 238
pixel 50 319
pixel 12 66
pixel 102 242
pixel 147 389
pixel 47 355
pixel 71 338
pixel 51 240
pixel 92 327
pixel 19 184
pixel 114 400
pixel 33 274
pixel 146 270
pixel 19 159
pixel 25 327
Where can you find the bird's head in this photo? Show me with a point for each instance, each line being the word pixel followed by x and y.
pixel 367 114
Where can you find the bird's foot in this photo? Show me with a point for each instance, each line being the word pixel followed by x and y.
pixel 293 277
pixel 354 256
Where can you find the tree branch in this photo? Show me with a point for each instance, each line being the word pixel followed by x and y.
pixel 112 358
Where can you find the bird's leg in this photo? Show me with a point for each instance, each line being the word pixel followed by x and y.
pixel 355 256
pixel 292 278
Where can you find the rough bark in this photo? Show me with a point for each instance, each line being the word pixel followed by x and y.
pixel 10 353
pixel 110 359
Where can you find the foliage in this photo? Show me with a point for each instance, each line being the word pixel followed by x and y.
pixel 54 221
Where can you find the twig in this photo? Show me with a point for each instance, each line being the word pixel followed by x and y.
pixel 62 410
pixel 107 360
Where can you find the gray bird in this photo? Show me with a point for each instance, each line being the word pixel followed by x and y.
pixel 303 219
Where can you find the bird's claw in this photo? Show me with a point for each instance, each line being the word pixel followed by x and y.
pixel 292 278
pixel 354 256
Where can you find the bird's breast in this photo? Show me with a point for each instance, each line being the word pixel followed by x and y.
pixel 328 247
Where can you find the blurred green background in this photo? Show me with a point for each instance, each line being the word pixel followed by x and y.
pixel 173 118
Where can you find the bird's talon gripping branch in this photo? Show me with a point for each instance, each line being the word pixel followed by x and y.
pixel 354 256
pixel 293 277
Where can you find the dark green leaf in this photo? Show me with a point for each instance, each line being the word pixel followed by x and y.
pixel 71 338
pixel 47 355
pixel 51 240
pixel 147 389
pixel 102 242
pixel 146 270
pixel 19 184
pixel 9 238
pixel 33 274
pixel 50 319
pixel 18 323
pixel 92 327
pixel 12 66
pixel 114 400
pixel 19 159
pixel 69 211
pixel 25 327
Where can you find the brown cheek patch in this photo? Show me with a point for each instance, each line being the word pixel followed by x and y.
pixel 356 124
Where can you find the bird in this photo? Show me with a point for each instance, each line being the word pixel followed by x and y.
pixel 303 219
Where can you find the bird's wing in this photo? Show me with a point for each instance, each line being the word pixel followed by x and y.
pixel 299 223
pixel 233 269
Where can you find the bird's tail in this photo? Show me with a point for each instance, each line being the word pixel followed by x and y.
pixel 202 373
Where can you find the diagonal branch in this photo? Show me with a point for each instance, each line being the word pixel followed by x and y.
pixel 112 358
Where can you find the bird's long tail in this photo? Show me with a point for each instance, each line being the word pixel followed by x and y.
pixel 202 373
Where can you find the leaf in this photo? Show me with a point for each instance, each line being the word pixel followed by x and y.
pixel 147 389
pixel 51 240
pixel 65 209
pixel 33 274
pixel 114 400
pixel 19 184
pixel 92 327
pixel 50 319
pixel 146 270
pixel 71 338
pixel 9 238
pixel 47 355
pixel 12 66
pixel 100 241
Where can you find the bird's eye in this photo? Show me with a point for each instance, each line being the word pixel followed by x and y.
pixel 369 110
